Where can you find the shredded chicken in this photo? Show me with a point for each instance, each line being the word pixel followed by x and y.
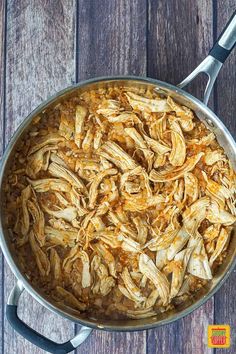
pixel 123 203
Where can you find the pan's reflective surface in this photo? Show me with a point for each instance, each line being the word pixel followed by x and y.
pixel 225 140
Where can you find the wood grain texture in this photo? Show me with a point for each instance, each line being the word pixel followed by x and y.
pixel 112 41
pixel 186 336
pixel 111 38
pixel 179 37
pixel 101 342
pixel 40 54
pixel 2 118
pixel 40 61
pixel 225 92
pixel 225 86
pixel 2 73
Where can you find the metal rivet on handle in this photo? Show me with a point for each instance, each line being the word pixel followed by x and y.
pixel 210 123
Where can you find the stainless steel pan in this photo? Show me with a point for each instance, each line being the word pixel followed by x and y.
pixel 211 66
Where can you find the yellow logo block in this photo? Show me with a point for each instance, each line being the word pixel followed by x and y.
pixel 218 336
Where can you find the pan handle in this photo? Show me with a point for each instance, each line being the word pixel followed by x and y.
pixel 212 64
pixel 35 337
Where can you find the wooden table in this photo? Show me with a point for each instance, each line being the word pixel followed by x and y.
pixel 49 44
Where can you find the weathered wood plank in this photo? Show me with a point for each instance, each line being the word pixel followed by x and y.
pixel 112 41
pixel 2 72
pixel 179 37
pixel 225 309
pixel 101 342
pixel 2 118
pixel 111 38
pixel 186 336
pixel 40 61
pixel 40 54
pixel 225 86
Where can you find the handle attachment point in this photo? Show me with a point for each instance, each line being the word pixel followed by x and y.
pixel 35 337
pixel 209 66
pixel 212 64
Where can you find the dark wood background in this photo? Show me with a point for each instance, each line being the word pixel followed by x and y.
pixel 48 44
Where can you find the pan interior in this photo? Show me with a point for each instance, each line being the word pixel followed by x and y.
pixel 225 140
